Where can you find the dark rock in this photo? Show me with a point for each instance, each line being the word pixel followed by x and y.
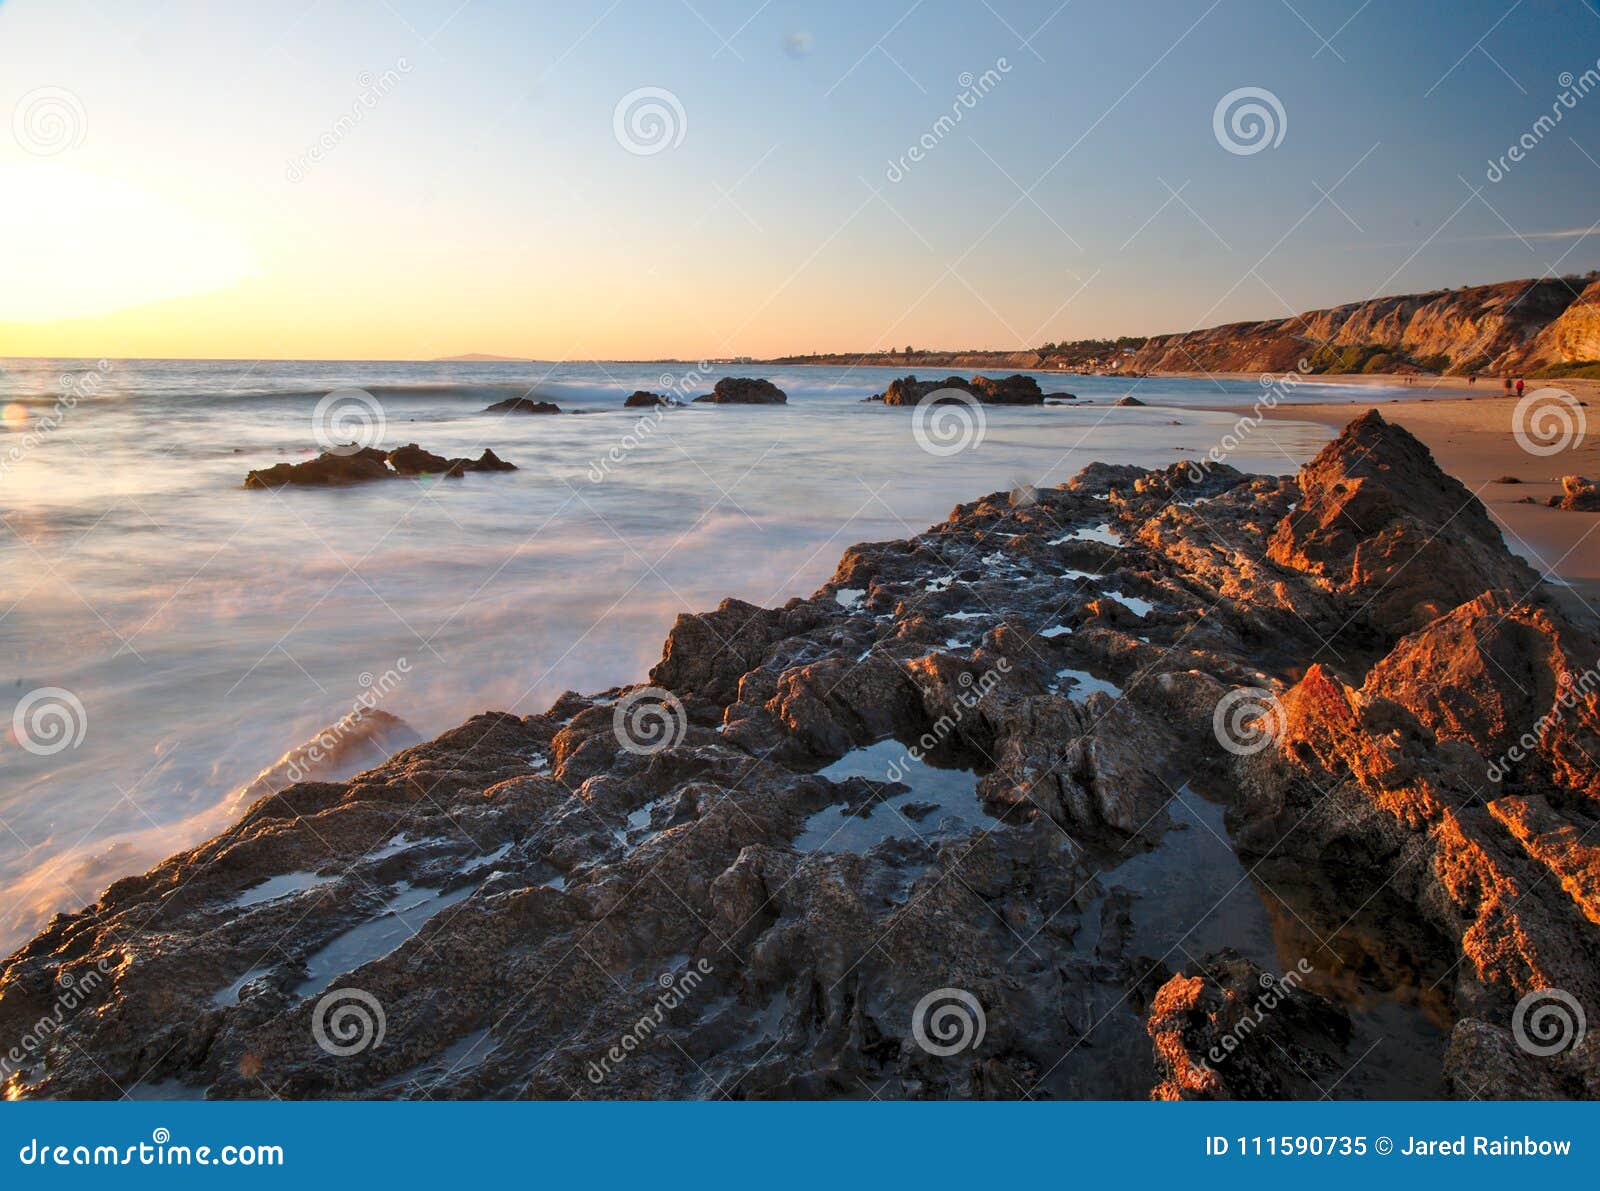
pixel 743 390
pixel 523 405
pixel 412 460
pixel 1012 390
pixel 1230 1030
pixel 1128 399
pixel 327 469
pixel 641 399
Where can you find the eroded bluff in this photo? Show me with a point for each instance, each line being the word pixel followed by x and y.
pixel 980 818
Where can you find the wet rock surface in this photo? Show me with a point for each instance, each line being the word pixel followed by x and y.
pixel 1023 806
pixel 523 405
pixel 360 465
pixel 744 390
pixel 1010 390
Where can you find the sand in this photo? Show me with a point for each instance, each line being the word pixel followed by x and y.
pixel 1472 440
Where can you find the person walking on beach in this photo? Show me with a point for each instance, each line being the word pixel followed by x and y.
pixel 1519 386
pixel 1505 383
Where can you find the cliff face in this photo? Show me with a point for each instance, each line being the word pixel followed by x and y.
pixel 1511 326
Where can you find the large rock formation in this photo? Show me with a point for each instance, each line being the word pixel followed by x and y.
pixel 1010 390
pixel 744 390
pixel 359 465
pixel 950 827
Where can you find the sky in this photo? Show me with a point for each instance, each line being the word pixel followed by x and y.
pixel 406 179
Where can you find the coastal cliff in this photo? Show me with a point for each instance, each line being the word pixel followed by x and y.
pixel 1512 326
pixel 1034 803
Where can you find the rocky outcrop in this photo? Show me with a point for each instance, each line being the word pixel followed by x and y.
pixel 640 399
pixel 368 463
pixel 1510 326
pixel 523 405
pixel 744 390
pixel 1578 493
pixel 330 469
pixel 1397 540
pixel 1010 390
pixel 1230 1030
pixel 945 828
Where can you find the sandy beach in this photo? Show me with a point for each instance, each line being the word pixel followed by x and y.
pixel 1471 437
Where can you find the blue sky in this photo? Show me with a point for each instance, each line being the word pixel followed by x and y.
pixel 484 203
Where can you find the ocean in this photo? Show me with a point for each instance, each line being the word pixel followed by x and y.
pixel 202 629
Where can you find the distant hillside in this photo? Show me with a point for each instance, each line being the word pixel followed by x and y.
pixel 1514 326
